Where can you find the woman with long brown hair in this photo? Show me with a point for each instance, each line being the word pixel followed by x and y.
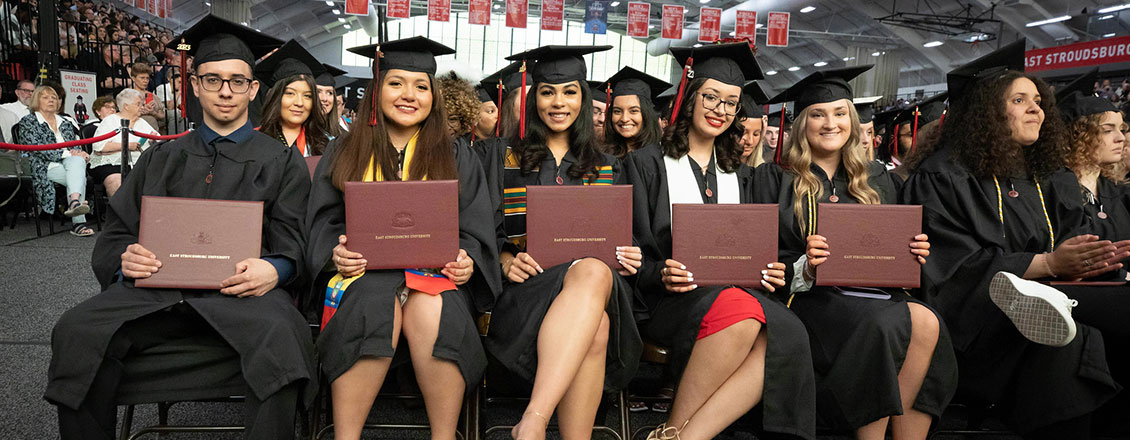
pixel 292 112
pixel 400 134
pixel 880 358
pixel 631 120
pixel 568 330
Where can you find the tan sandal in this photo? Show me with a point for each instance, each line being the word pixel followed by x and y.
pixel 664 432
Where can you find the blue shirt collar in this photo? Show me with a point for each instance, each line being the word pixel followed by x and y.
pixel 241 134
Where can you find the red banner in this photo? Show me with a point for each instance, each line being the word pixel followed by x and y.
pixel 673 22
pixel 778 34
pixel 746 25
pixel 439 10
pixel 516 13
pixel 478 12
pixel 709 25
pixel 552 15
pixel 139 4
pixel 639 18
pixel 399 8
pixel 1088 53
pixel 161 8
pixel 357 7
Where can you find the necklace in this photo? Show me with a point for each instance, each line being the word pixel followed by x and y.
pixel 1094 200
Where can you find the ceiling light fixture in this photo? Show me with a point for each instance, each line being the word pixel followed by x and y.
pixel 1114 8
pixel 1048 21
pixel 329 3
pixel 820 64
pixel 771 72
pixel 794 69
pixel 615 4
pixel 342 20
pixel 934 43
pixel 1107 17
pixel 336 12
pixel 1109 35
pixel 807 9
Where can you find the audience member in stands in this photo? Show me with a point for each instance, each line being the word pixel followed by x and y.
pixel 168 98
pixel 64 166
pixel 18 33
pixel 140 73
pixel 19 107
pixel 103 106
pixel 106 159
pixel 112 75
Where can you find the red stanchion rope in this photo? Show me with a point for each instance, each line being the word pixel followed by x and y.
pixel 154 137
pixel 61 145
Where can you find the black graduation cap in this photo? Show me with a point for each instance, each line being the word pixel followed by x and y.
pixel 775 118
pixel 887 117
pixel 753 99
pixel 215 39
pixel 929 110
pixel 730 63
pixel 629 81
pixel 511 77
pixel 865 108
pixel 1009 57
pixel 664 98
pixel 1077 99
pixel 557 64
pixel 327 78
pixel 291 59
pixel 414 54
pixel 482 94
pixel 599 91
pixel 821 87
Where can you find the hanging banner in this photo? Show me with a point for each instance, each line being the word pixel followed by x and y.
pixel 639 17
pixel 778 35
pixel 709 25
pixel 151 7
pixel 552 15
pixel 1087 53
pixel 161 8
pixel 596 16
pixel 746 25
pixel 672 22
pixel 357 7
pixel 82 88
pixel 478 12
pixel 399 8
pixel 439 10
pixel 516 11
pixel 139 4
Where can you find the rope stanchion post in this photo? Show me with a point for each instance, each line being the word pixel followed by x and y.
pixel 125 147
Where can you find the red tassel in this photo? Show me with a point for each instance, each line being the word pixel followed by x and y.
pixel 522 116
pixel 780 136
pixel 183 83
pixel 914 132
pixel 895 144
pixel 942 120
pixel 376 82
pixel 498 124
pixel 682 87
pixel 608 97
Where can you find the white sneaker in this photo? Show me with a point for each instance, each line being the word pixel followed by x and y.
pixel 1041 313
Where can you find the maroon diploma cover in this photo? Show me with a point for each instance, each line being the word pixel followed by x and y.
pixel 869 245
pixel 725 244
pixel 198 241
pixel 564 223
pixel 403 225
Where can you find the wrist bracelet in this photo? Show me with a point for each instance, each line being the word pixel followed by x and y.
pixel 1048 266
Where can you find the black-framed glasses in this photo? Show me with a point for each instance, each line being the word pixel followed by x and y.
pixel 213 83
pixel 711 102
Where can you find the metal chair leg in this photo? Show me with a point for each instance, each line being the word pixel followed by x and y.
pixel 127 423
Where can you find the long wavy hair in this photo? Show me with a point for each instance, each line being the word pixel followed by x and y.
pixel 755 158
pixel 532 150
pixel 1086 138
pixel 317 130
pixel 333 128
pixel 649 133
pixel 727 150
pixel 433 158
pixel 509 124
pixel 977 134
pixel 459 101
pixel 797 159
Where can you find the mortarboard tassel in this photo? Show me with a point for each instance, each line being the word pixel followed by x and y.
pixel 183 48
pixel 914 132
pixel 498 124
pixel 377 79
pixel 607 96
pixel 522 116
pixel 682 86
pixel 942 119
pixel 780 136
pixel 895 144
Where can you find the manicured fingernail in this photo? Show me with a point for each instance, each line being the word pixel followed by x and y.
pixel 689 279
pixel 683 267
pixel 765 277
pixel 769 265
pixel 694 286
pixel 764 272
pixel 619 248
pixel 540 269
pixel 690 274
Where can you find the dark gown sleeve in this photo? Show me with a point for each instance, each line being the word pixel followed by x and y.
pixel 325 221
pixel 766 188
pixel 284 215
pixel 645 187
pixel 477 231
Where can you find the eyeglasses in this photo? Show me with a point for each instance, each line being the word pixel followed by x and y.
pixel 26 90
pixel 213 83
pixel 598 112
pixel 711 102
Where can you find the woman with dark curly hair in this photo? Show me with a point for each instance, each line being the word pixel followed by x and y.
pixel 732 348
pixel 460 103
pixel 882 358
pixel 1001 210
pixel 567 329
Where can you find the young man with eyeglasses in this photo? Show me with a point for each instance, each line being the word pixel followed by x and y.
pixel 224 158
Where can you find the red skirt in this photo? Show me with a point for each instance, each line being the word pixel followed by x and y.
pixel 730 307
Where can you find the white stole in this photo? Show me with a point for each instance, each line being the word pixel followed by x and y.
pixel 683 188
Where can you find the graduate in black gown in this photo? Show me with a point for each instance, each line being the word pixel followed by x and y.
pixel 734 347
pixel 486 125
pixel 1094 156
pixel 569 330
pixel 878 361
pixel 292 112
pixel 631 119
pixel 222 159
pixel 999 206
pixel 400 134
pixel 752 122
pixel 327 97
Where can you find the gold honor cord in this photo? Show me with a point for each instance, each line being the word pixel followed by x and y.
pixel 811 229
pixel 1040 192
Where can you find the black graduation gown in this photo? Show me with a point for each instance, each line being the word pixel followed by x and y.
pixel 1037 385
pixel 788 403
pixel 519 311
pixel 268 332
pixel 362 325
pixel 858 344
pixel 1112 201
